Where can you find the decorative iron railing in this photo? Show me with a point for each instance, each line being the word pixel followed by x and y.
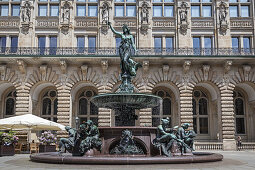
pixel 107 51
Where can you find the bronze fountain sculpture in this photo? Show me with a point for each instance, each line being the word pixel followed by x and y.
pixel 161 144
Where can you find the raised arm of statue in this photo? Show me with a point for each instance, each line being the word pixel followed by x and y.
pixel 114 31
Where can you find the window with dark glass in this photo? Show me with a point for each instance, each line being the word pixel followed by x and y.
pixel 169 44
pixel 157 44
pixel 208 45
pixel 2 44
pixel 239 107
pixel 14 44
pixel 41 44
pixel 246 44
pixel 164 110
pixel 80 44
pixel 49 105
pixel 200 112
pixel 92 45
pixel 196 45
pixel 53 45
pixel 10 102
pixel 86 109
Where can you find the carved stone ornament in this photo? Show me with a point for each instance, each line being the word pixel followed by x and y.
pixel 144 29
pixel 183 14
pixel 186 66
pixel 246 72
pixel 63 66
pixel 25 15
pixel 145 13
pixel 65 28
pixel 65 17
pixel 222 18
pixel 104 65
pixel 206 69
pixel 146 65
pixel 227 66
pixel 21 66
pixel 104 29
pixel 25 28
pixel 105 13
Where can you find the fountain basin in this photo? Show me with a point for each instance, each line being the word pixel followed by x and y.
pixel 132 100
pixel 54 157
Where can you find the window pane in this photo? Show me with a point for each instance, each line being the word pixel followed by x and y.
pixel 206 0
pixel 239 109
pixel 119 0
pixel 55 107
pixel 195 124
pixel 81 0
pixel 46 107
pixel 81 10
pixel 15 10
pixel 117 40
pixel 155 121
pixel 119 11
pixel 131 11
pixel 207 11
pixel 4 10
pixel 235 42
pixel 93 109
pixel 14 44
pixel 53 10
pixel 157 0
pixel 195 11
pixel 169 1
pixel 157 11
pixel 92 0
pixel 80 44
pixel 232 0
pixel 194 0
pixel 83 106
pixel 92 44
pixel 242 0
pixel 94 120
pixel 53 45
pixel 157 44
pixel 202 107
pixel 233 11
pixel 166 106
pixel 41 44
pixel 245 11
pixel 246 42
pixel 203 125
pixel 194 110
pixel 169 44
pixel 130 0
pixel 2 44
pixel 208 42
pixel 92 11
pixel 169 12
pixel 196 42
pixel 9 106
pixel 240 127
pixel 42 10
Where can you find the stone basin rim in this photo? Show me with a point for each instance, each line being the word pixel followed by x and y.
pixel 55 158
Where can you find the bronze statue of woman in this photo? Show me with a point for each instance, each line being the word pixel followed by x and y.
pixel 126 50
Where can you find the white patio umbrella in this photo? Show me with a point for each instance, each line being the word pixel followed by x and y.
pixel 30 122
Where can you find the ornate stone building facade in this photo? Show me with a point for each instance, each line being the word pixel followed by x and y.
pixel 198 55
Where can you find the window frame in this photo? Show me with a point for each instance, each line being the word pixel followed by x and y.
pixel 201 5
pixel 163 4
pixel 239 5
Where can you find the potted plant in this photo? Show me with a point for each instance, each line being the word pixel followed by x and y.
pixel 7 142
pixel 47 142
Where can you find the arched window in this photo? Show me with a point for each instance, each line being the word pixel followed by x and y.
pixel 50 105
pixel 239 112
pixel 200 112
pixel 164 110
pixel 86 109
pixel 10 103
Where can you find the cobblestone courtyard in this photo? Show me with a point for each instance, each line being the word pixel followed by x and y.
pixel 232 160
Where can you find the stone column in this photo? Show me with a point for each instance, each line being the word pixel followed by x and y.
pixel 227 116
pixel 104 115
pixel 22 100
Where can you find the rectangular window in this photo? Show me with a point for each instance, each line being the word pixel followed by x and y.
pixel 54 10
pixel 196 45
pixel 117 40
pixel 92 45
pixel 4 10
pixel 42 10
pixel 14 44
pixel 54 0
pixel 2 44
pixel 195 11
pixel 194 0
pixel 245 11
pixel 169 1
pixel 232 1
pixel 131 11
pixel 235 45
pixel 203 125
pixel 240 126
pixel 207 11
pixel 246 44
pixel 206 0
pixel 81 10
pixel 208 45
pixel 53 45
pixel 80 0
pixel 92 0
pixel 168 11
pixel 169 44
pixel 157 11
pixel 119 11
pixel 130 0
pixel 41 45
pixel 157 0
pixel 233 11
pixel 119 0
pixel 15 10
pixel 80 44
pixel 92 11
pixel 158 44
